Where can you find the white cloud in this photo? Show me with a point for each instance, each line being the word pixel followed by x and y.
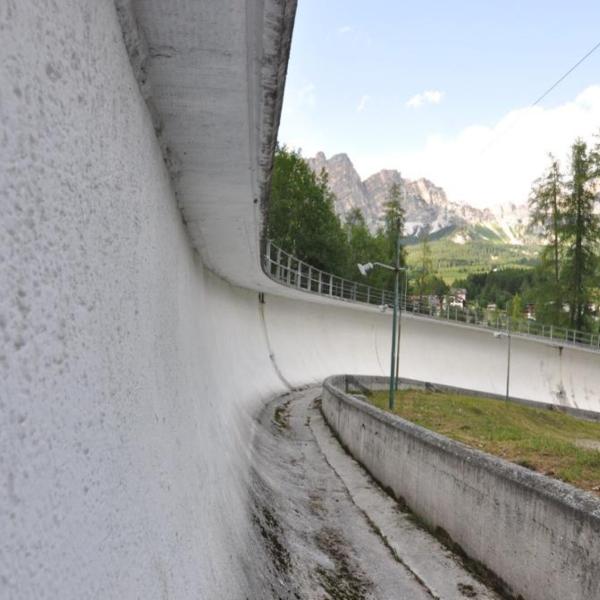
pixel 426 97
pixel 345 29
pixel 362 103
pixel 490 165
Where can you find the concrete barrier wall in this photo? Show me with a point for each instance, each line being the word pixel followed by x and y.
pixel 473 358
pixel 540 536
pixel 312 341
pixel 129 374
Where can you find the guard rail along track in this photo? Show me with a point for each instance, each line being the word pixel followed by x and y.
pixel 292 272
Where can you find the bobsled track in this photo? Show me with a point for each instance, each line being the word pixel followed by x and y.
pixel 141 339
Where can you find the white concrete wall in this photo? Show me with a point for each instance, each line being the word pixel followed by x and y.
pixel 128 373
pixel 313 341
pixel 473 358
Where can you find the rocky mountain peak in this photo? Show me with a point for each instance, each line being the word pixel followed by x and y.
pixel 426 205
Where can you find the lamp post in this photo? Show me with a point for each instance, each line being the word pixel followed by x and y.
pixel 500 334
pixel 399 329
pixel 395 357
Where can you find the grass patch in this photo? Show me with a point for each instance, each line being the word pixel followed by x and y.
pixel 544 440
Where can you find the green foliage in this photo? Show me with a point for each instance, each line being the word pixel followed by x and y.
pixel 301 217
pixel 547 205
pixel 580 231
pixel 394 220
pixel 426 282
pixel 425 267
pixel 453 261
pixel 515 307
pixel 498 287
pixel 364 247
pixel 564 216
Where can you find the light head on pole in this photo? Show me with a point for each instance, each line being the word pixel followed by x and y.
pixel 364 269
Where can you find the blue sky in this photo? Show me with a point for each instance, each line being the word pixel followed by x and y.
pixel 472 69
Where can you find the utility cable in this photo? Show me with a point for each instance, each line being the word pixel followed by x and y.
pixel 566 75
pixel 552 87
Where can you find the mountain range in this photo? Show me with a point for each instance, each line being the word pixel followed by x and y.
pixel 427 208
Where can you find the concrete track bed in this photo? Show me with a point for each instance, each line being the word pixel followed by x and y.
pixel 325 530
pixel 540 536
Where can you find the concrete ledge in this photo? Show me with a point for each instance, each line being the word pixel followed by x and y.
pixel 539 535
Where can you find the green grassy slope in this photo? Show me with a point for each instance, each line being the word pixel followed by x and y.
pixel 454 261
pixel 546 441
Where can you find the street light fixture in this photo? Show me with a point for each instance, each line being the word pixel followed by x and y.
pixel 364 269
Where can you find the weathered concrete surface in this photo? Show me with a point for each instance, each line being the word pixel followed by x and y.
pixel 539 535
pixel 328 528
pixel 216 71
pixel 128 373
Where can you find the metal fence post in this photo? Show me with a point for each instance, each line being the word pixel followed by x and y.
pixel 278 265
pixel 299 275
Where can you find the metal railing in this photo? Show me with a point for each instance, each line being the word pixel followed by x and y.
pixel 288 270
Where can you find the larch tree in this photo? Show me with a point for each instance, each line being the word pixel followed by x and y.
pixel 547 203
pixel 580 230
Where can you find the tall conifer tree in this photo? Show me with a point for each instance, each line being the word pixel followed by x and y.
pixel 580 231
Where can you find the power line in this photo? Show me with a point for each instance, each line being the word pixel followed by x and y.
pixel 566 74
pixel 552 87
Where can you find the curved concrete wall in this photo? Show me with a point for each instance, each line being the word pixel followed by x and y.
pixel 313 341
pixel 129 373
pixel 468 357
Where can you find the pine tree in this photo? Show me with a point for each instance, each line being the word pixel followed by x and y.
pixel 580 231
pixel 515 307
pixel 392 231
pixel 546 206
pixel 394 221
pixel 425 268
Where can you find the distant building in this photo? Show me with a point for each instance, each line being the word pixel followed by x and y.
pixel 530 312
pixel 460 294
pixel 457 298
